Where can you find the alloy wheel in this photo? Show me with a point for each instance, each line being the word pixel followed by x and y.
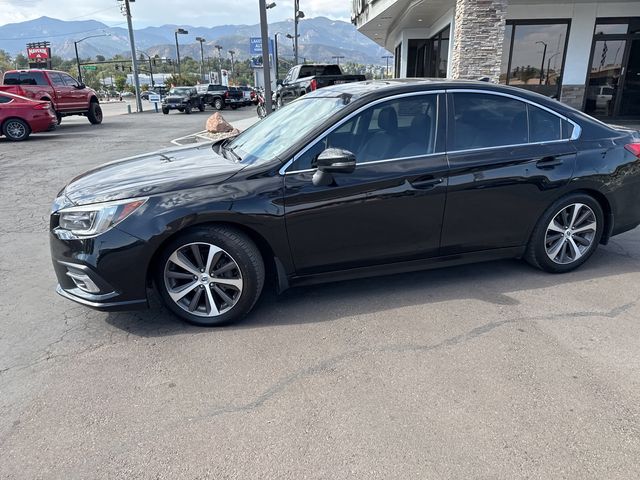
pixel 15 129
pixel 203 279
pixel 571 233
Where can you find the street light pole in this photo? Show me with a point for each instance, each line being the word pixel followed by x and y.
pixel 387 57
pixel 219 49
pixel 150 67
pixel 201 40
pixel 544 54
pixel 266 68
pixel 180 31
pixel 275 53
pixel 232 53
pixel 75 45
pixel 296 18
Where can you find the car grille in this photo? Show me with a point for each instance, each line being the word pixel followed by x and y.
pixel 174 100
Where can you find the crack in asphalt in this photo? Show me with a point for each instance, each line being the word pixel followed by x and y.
pixel 332 362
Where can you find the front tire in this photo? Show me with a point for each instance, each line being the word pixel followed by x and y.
pixel 187 109
pixel 165 110
pixel 567 234
pixel 95 113
pixel 218 104
pixel 210 276
pixel 16 129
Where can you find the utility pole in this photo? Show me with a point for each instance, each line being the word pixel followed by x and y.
pixel 266 68
pixel 134 57
pixel 387 57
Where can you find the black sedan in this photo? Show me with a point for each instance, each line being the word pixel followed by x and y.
pixel 348 181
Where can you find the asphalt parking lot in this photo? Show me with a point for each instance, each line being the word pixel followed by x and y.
pixel 493 371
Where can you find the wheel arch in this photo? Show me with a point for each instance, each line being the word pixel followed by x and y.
pixel 273 267
pixel 93 99
pixel 607 210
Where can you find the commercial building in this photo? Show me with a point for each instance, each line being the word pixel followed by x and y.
pixel 586 53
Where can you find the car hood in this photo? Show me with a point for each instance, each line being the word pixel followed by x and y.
pixel 178 97
pixel 150 174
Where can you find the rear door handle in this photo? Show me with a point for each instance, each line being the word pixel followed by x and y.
pixel 548 163
pixel 426 184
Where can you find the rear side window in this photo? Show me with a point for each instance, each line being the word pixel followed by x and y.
pixel 543 126
pixel 25 78
pixel 484 120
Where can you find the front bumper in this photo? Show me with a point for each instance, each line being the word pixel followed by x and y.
pixel 107 272
pixel 174 106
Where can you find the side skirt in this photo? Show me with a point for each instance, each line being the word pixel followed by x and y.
pixel 409 266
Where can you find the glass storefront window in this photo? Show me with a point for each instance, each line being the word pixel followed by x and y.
pixel 429 57
pixel 533 55
pixel 611 28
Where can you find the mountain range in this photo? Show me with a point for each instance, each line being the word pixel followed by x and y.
pixel 320 39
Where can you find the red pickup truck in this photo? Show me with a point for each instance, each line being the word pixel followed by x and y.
pixel 66 94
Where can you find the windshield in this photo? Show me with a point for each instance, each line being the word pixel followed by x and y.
pixel 271 136
pixel 179 91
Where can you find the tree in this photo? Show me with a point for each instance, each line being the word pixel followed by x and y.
pixel 120 83
pixel 100 58
pixel 21 61
pixel 5 61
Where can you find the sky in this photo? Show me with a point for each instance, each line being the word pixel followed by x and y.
pixel 145 13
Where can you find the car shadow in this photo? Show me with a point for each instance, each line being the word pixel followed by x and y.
pixel 490 282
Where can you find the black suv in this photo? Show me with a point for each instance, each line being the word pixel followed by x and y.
pixel 183 99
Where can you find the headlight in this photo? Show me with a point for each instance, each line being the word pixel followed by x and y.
pixel 91 220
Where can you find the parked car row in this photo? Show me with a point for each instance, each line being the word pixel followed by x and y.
pixel 28 99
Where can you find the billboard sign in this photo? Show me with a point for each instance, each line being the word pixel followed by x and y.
pixel 255 51
pixel 39 54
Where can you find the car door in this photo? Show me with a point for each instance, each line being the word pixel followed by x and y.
pixel 75 98
pixel 508 160
pixel 390 208
pixel 63 98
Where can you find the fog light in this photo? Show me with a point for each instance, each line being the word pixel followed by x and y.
pixel 83 281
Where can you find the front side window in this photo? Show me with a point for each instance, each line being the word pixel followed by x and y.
pixel 69 80
pixel 395 129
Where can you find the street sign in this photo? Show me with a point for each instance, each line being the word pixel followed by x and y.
pixel 89 67
pixel 154 98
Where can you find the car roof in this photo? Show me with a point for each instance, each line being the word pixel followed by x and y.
pixel 383 88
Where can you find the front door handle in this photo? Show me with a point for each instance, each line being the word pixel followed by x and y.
pixel 548 163
pixel 426 184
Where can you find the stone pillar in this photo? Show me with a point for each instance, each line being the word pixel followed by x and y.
pixel 477 39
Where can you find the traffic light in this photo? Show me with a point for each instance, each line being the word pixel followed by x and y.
pixel 117 68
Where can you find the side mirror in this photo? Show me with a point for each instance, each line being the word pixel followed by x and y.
pixel 279 83
pixel 330 161
pixel 80 86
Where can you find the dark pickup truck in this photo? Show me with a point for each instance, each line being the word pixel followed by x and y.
pixel 219 96
pixel 303 79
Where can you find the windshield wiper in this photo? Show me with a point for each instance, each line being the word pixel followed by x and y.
pixel 236 158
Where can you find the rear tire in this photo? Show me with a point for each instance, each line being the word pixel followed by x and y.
pixel 16 129
pixel 187 109
pixel 567 234
pixel 201 107
pixel 233 282
pixel 95 113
